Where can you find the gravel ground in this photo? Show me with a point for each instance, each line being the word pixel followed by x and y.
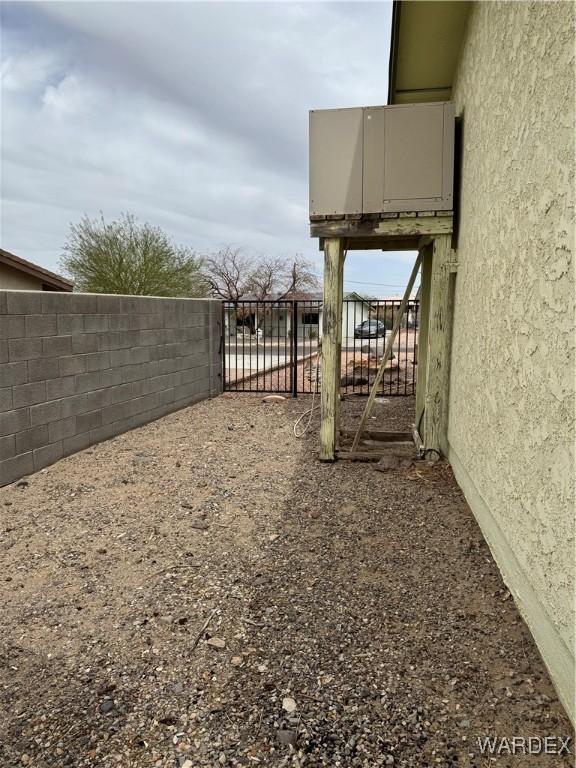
pixel 203 592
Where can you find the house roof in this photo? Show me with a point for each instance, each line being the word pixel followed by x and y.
pixel 353 296
pixel 50 279
pixel 424 49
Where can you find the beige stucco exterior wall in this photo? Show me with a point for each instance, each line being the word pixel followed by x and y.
pixel 15 280
pixel 511 421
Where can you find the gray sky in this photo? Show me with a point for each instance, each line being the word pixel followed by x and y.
pixel 191 115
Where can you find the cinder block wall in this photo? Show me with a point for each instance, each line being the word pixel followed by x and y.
pixel 76 369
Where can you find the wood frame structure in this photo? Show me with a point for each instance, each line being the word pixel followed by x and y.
pixel 431 235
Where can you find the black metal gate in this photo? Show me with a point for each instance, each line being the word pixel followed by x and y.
pixel 273 346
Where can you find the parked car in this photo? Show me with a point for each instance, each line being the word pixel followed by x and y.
pixel 370 329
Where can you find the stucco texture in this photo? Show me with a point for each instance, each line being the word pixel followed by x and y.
pixel 511 409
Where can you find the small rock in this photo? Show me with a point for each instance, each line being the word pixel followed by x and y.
pixel 187 764
pixel 107 706
pixel 23 484
pixel 236 661
pixel 24 759
pixel 201 525
pixel 389 760
pixel 288 704
pixel 168 619
pixel 464 724
pixel 217 642
pixel 287 736
pixel 273 399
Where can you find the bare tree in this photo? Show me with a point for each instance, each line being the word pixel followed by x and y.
pixel 299 275
pixel 266 277
pixel 232 274
pixel 229 273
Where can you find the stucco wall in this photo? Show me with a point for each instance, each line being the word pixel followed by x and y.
pixel 15 279
pixel 76 369
pixel 511 422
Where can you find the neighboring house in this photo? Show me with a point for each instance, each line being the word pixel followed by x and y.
pixel 18 274
pixel 509 69
pixel 276 320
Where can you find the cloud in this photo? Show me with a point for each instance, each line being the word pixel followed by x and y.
pixel 193 116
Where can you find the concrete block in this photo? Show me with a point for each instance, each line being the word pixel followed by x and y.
pixel 14 421
pixel 6 399
pixel 56 346
pixel 13 327
pixel 16 468
pixel 24 302
pixel 83 343
pixel 54 303
pixel 120 393
pixel 96 361
pixel 120 322
pixel 43 368
pixel 47 455
pixel 85 382
pixel 106 431
pixel 70 325
pixel 41 325
pixel 75 443
pixel 71 406
pixel 139 355
pixel 31 438
pixel 61 429
pixel 87 421
pixel 166 396
pixel 3 303
pixel 45 412
pixel 119 340
pixel 100 398
pixel 107 304
pixel 29 394
pixel 96 323
pixel 111 377
pixel 7 447
pixel 120 357
pixel 13 373
pixel 62 387
pixel 72 364
pixel 82 303
pixel 116 412
pixel 4 351
pixel 24 349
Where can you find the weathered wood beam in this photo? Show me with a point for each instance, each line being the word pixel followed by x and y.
pixel 400 227
pixel 435 432
pixel 378 244
pixel 379 434
pixel 423 320
pixel 331 343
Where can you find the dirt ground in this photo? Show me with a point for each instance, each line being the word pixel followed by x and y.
pixel 203 592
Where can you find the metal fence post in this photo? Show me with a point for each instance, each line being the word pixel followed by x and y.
pixel 295 349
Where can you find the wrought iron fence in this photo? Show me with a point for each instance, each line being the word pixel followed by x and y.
pixel 273 346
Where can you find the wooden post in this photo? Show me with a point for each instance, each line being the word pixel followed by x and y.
pixel 424 318
pixel 435 433
pixel 331 343
pixel 338 369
